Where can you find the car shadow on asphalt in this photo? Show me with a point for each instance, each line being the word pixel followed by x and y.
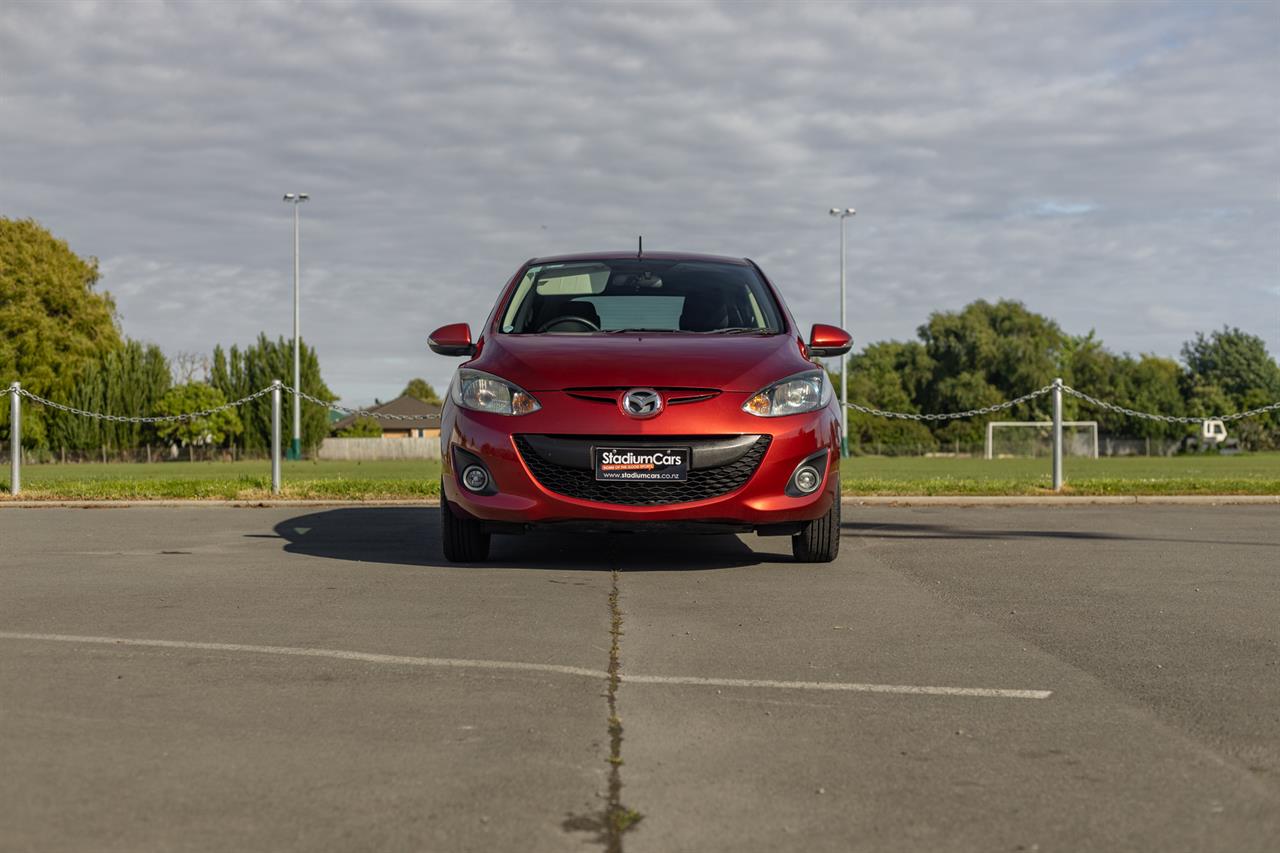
pixel 410 536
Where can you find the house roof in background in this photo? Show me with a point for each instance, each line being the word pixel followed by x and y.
pixel 422 415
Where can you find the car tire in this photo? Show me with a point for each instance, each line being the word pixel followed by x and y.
pixel 819 541
pixel 464 539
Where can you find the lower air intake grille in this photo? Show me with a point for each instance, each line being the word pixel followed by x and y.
pixel 703 483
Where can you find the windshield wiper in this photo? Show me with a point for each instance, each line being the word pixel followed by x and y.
pixel 739 330
pixel 633 331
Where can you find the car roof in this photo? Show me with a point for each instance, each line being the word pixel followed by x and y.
pixel 631 255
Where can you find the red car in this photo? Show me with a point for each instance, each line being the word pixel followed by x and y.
pixel 633 392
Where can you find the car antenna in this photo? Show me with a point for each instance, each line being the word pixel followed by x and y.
pixel 640 248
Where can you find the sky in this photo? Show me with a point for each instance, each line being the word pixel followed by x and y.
pixel 1115 166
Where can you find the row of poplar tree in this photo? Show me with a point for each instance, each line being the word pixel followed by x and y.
pixel 60 337
pixel 137 379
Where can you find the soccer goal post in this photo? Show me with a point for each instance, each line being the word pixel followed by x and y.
pixel 1091 428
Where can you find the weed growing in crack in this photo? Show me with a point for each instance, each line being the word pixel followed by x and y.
pixel 616 819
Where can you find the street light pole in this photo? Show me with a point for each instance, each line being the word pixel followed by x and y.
pixel 295 448
pixel 843 214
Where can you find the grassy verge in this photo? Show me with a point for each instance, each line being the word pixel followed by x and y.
pixel 229 481
pixel 1245 474
pixel 1252 474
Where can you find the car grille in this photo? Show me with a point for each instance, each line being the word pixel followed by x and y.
pixel 703 483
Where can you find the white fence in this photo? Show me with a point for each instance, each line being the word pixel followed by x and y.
pixel 371 449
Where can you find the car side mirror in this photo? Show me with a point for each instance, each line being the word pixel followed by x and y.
pixel 826 341
pixel 453 339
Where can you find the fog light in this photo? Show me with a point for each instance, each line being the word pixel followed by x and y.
pixel 476 478
pixel 807 480
pixel 808 476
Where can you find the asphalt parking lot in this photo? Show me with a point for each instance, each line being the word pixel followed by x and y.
pixel 985 679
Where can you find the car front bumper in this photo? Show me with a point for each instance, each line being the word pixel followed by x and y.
pixel 520 498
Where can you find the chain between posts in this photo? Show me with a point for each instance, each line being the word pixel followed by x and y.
pixel 1067 389
pixel 1169 419
pixel 866 410
pixel 150 419
pixel 948 416
pixel 358 412
pixel 204 413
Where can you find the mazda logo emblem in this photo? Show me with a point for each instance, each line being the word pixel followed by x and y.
pixel 642 402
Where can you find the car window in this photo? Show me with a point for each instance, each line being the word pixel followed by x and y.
pixel 638 294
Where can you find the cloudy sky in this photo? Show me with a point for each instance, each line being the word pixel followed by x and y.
pixel 1115 166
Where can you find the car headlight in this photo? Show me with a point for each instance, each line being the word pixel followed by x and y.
pixel 484 392
pixel 804 392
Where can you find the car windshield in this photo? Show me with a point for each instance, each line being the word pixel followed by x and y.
pixel 638 295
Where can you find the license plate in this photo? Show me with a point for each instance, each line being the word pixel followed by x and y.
pixel 642 464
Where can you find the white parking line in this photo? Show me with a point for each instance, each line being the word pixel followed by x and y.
pixel 846 687
pixel 364 657
pixel 463 663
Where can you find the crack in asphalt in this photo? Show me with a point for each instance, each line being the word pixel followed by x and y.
pixel 616 819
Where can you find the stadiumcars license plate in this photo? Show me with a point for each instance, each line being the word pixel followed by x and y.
pixel 642 464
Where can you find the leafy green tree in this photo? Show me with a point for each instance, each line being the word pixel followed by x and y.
pixel 129 381
pixel 53 323
pixel 1153 384
pixel 889 375
pixel 1235 361
pixel 1229 370
pixel 210 430
pixel 362 427
pixel 421 389
pixel 987 353
pixel 238 373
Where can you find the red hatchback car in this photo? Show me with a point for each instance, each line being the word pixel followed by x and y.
pixel 632 392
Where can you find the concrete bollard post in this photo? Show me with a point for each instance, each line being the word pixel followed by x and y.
pixel 1057 435
pixel 275 437
pixel 15 438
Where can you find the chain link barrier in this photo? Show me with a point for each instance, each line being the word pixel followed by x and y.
pixel 204 413
pixel 1168 419
pixel 1066 389
pixel 357 412
pixel 950 416
pixel 866 410
pixel 149 419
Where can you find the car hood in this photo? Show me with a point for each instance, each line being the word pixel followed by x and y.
pixel 725 362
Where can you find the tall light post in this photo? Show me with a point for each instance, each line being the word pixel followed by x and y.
pixel 843 214
pixel 295 449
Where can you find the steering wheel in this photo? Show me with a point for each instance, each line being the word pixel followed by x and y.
pixel 569 318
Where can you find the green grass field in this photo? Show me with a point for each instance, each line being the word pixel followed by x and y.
pixel 228 480
pixel 1246 474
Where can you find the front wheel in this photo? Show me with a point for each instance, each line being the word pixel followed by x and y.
pixel 819 541
pixel 464 539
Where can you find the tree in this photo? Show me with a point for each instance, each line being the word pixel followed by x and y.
pixel 210 430
pixel 190 367
pixel 889 375
pixel 1236 362
pixel 362 427
pixel 129 381
pixel 1230 370
pixel 985 354
pixel 238 373
pixel 422 390
pixel 1153 384
pixel 53 323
